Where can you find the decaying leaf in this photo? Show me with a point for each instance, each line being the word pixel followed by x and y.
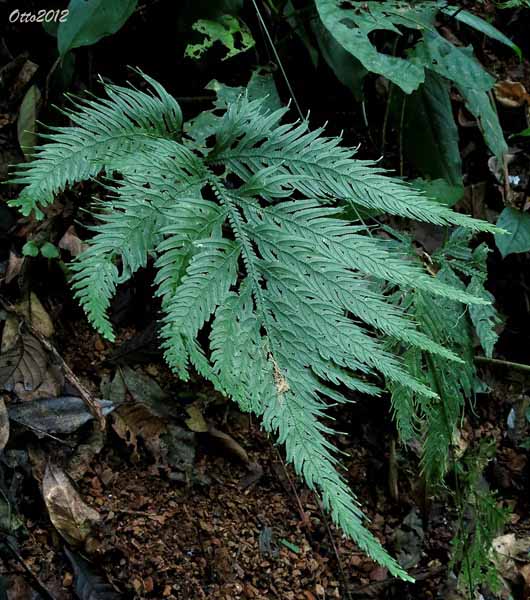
pixel 71 242
pixel 195 420
pixel 511 94
pixel 4 424
pixel 133 420
pixel 509 553
pixel 229 444
pixel 32 310
pixel 69 513
pixel 14 266
pixel 64 414
pixel 145 390
pixel 23 363
pixel 88 585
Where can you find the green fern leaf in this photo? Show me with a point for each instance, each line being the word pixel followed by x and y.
pixel 252 248
pixel 105 131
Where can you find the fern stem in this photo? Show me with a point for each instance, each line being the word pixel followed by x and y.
pixel 502 363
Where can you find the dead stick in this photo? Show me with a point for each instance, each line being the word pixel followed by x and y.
pixel 502 363
pixel 37 583
pixel 86 396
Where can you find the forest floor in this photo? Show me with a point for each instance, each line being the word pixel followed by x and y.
pixel 185 496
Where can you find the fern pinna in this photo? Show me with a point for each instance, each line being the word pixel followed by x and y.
pixel 244 216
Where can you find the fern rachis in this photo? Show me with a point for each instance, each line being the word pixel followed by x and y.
pixel 250 244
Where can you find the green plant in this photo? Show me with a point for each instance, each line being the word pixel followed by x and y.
pixel 436 421
pixel 228 30
pixel 451 324
pixel 399 40
pixel 484 520
pixel 245 218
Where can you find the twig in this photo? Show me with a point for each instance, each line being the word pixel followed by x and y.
pixel 37 583
pixel 301 510
pixel 86 396
pixel 345 586
pixel 502 363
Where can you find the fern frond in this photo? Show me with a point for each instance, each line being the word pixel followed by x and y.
pixel 129 231
pixel 105 132
pixel 321 168
pixel 209 276
pixel 252 248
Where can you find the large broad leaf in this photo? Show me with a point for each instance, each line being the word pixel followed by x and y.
pixel 439 190
pixel 473 82
pixel 350 23
pixel 229 31
pixel 480 25
pixel 348 70
pixel 430 136
pixel 517 223
pixel 90 20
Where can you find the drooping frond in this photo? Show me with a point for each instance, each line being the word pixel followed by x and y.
pixel 105 132
pixel 129 231
pixel 266 288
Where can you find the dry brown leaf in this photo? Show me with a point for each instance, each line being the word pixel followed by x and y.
pixel 69 513
pixel 24 366
pixel 511 94
pixel 229 443
pixel 14 266
pixel 23 363
pixel 508 551
pixel 133 420
pixel 71 242
pixel 4 424
pixel 35 314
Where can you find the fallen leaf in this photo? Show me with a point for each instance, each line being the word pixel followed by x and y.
pixel 195 420
pixel 71 242
pixel 4 424
pixel 64 414
pixel 69 513
pixel 507 552
pixel 511 94
pixel 35 314
pixel 89 585
pixel 133 420
pixel 14 266
pixel 27 119
pixel 23 363
pixel 229 443
pixel 145 390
